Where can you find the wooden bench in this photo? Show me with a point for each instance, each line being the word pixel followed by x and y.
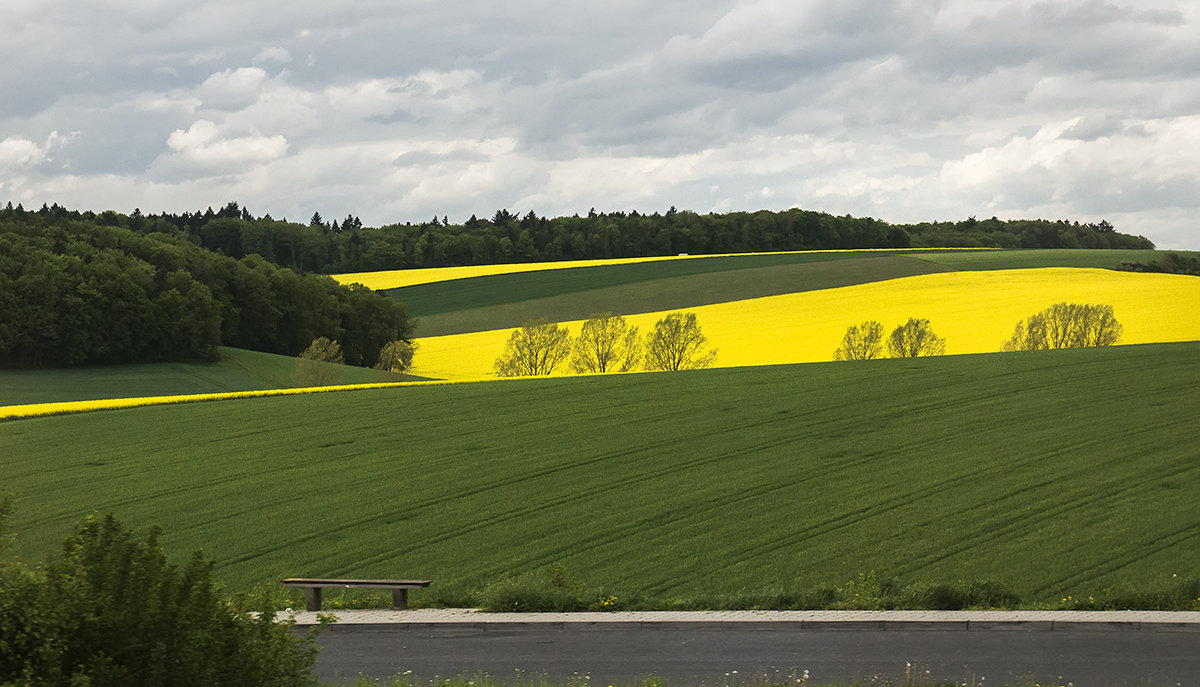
pixel 313 586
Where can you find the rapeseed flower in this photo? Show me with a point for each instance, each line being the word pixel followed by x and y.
pixel 395 279
pixel 37 409
pixel 974 311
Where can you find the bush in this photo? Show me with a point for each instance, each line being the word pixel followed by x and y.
pixel 112 610
pixel 551 591
pixel 960 595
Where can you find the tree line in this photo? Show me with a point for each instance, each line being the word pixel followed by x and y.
pixel 606 343
pixel 347 246
pixel 75 292
pixel 912 339
pixel 1171 263
pixel 1062 325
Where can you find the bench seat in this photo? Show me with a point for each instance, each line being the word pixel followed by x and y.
pixel 313 586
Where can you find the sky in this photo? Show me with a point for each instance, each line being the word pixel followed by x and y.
pixel 402 110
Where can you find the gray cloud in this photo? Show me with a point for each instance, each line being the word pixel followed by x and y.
pixel 905 110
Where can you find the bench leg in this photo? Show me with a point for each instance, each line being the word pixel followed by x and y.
pixel 312 598
pixel 399 599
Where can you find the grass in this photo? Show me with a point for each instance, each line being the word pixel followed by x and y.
pixel 667 292
pixel 508 300
pixel 236 370
pixel 1051 257
pixel 1063 473
pixel 461 294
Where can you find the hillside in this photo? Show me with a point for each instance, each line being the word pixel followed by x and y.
pixel 492 301
pixel 234 370
pixel 975 311
pixel 1055 473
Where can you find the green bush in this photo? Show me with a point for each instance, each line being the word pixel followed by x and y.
pixel 1172 594
pixel 960 595
pixel 112 610
pixel 552 591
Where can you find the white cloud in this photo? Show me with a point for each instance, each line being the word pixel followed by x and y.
pixel 204 143
pixel 232 88
pixel 18 153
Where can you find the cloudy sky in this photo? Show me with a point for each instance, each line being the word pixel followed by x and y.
pixel 399 110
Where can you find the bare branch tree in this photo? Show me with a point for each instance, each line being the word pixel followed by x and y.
pixel 915 338
pixel 1066 325
pixel 861 342
pixel 534 349
pixel 676 343
pixel 606 343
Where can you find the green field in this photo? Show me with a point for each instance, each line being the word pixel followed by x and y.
pixel 236 370
pixel 503 301
pixel 1054 472
pixel 669 293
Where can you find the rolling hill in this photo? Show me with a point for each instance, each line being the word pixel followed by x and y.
pixel 1060 472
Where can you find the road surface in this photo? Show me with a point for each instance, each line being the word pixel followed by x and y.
pixel 715 653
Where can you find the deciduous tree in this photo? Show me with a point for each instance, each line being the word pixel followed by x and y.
pixel 676 343
pixel 861 342
pixel 319 364
pixel 915 338
pixel 1066 325
pixel 396 356
pixel 606 343
pixel 535 349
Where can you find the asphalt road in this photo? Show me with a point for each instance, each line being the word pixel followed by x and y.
pixel 616 653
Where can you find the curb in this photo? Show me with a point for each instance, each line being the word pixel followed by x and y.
pixel 459 620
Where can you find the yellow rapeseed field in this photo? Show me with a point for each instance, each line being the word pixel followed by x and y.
pixel 974 311
pixel 394 279
pixel 36 409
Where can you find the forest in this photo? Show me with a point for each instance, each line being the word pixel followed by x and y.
pixel 333 247
pixel 74 291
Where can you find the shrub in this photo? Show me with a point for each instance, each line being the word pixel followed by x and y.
pixel 553 590
pixel 112 610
